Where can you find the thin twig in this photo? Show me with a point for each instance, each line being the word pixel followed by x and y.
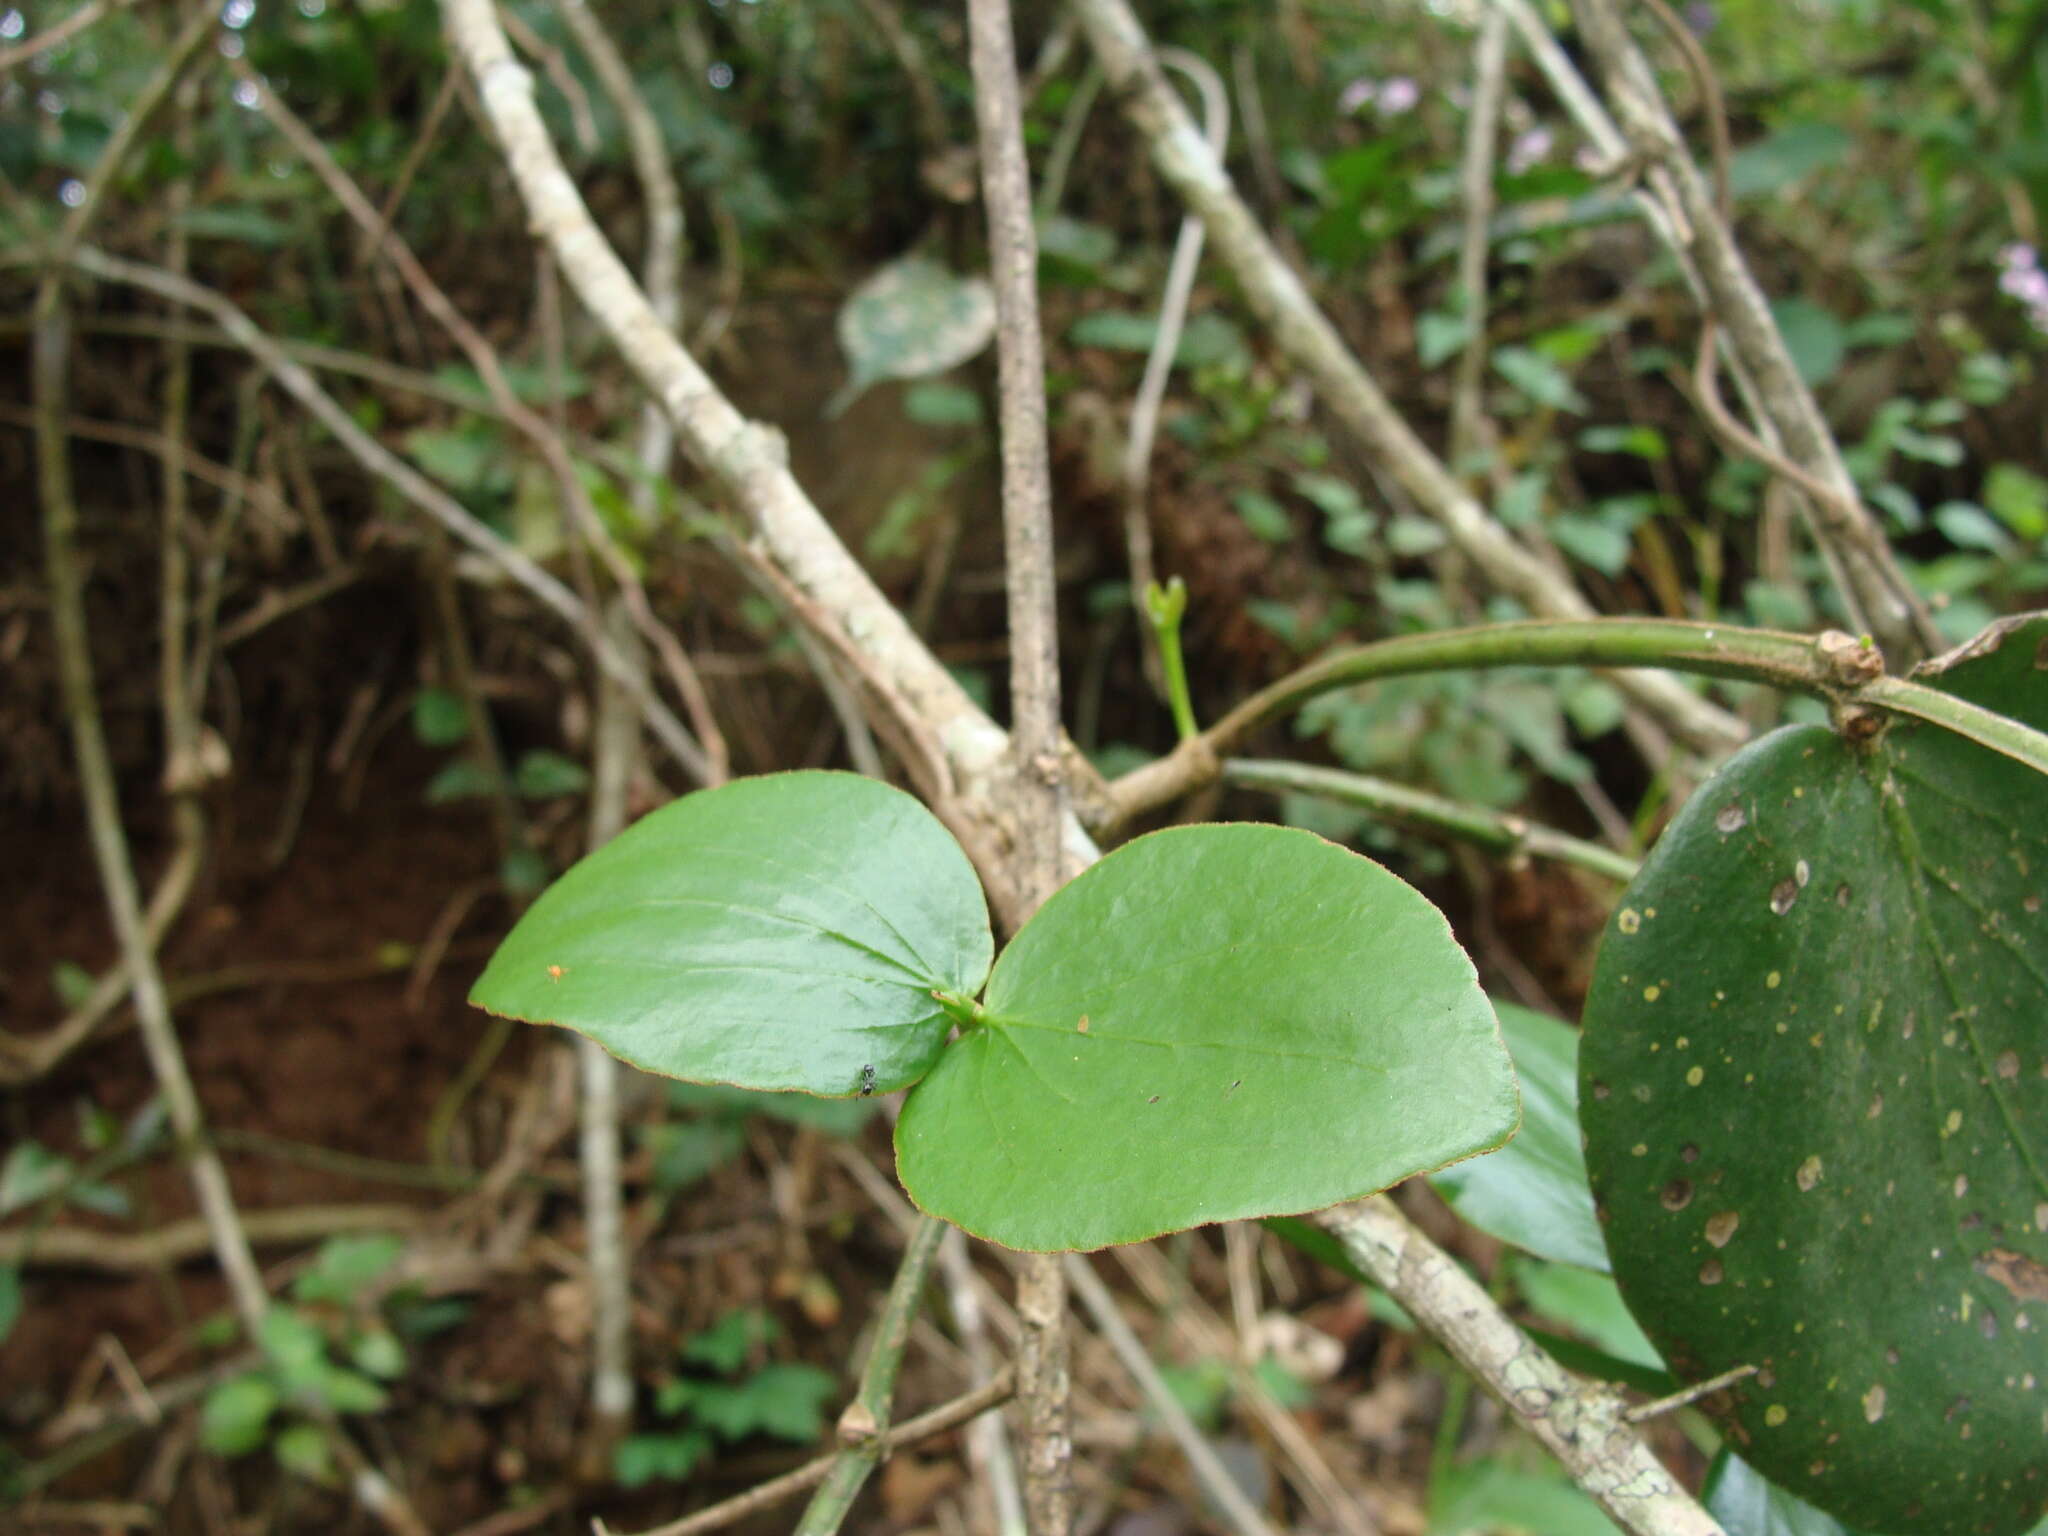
pixel 661 268
pixel 1511 837
pixel 1042 1371
pixel 1581 1423
pixel 545 438
pixel 865 1421
pixel 58 32
pixel 615 758
pixel 1482 125
pixel 403 478
pixel 1870 580
pixel 961 1410
pixel 1308 338
pixel 1173 313
pixel 1209 1470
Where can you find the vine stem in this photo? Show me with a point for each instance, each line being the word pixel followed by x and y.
pixel 864 1424
pixel 1042 1373
pixel 1845 672
pixel 1512 837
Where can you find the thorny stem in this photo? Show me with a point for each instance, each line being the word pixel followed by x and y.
pixel 1831 666
pixel 1042 1379
pixel 866 1419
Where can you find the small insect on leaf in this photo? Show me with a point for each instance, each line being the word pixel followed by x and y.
pixel 1082 1027
pixel 557 972
pixel 867 1081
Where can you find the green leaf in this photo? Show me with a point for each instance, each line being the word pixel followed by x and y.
pixel 910 320
pixel 303 1449
pixel 725 1345
pixel 347 1392
pixel 1492 1497
pixel 1816 1112
pixel 1968 526
pixel 1748 1504
pixel 1533 1192
pixel 10 1299
pixel 1589 1304
pixel 1538 377
pixel 779 932
pixel 1211 1023
pixel 1439 337
pixel 683 1154
pixel 1813 336
pixel 460 780
pixel 784 1400
pixel 377 1352
pixel 1642 442
pixel 296 1348
pixel 1594 540
pixel 347 1266
pixel 236 1414
pixel 30 1173
pixel 1795 151
pixel 643 1459
pixel 541 775
pixel 937 404
pixel 1264 516
pixel 2020 498
pixel 438 717
pixel 72 983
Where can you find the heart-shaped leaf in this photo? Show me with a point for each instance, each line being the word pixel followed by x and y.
pixel 784 932
pixel 1814 1084
pixel 910 320
pixel 1533 1192
pixel 1211 1023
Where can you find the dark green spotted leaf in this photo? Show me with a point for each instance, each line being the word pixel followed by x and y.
pixel 1532 1192
pixel 1814 1084
pixel 784 932
pixel 1211 1023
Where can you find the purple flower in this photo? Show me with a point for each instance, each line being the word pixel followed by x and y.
pixel 2018 254
pixel 1356 95
pixel 1529 149
pixel 2027 284
pixel 1398 95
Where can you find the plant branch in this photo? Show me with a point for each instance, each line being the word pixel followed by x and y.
pixel 1042 1371
pixel 1580 1423
pixel 1208 1467
pixel 961 1410
pixel 748 460
pixel 58 32
pixel 661 267
pixel 1872 583
pixel 1308 338
pixel 865 1420
pixel 1512 837
pixel 547 440
pixel 1482 128
pixel 1173 314
pixel 1831 666
pixel 404 479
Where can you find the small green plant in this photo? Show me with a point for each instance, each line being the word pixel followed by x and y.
pixel 1211 1023
pixel 328 1351
pixel 714 1399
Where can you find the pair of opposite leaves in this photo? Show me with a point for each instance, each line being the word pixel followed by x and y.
pixel 1211 1023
